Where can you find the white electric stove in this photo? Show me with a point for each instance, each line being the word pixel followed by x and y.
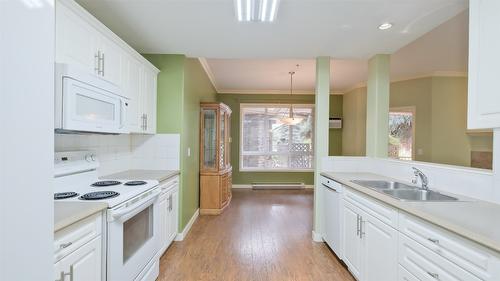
pixel 132 216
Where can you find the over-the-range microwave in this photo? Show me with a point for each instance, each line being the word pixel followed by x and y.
pixel 87 103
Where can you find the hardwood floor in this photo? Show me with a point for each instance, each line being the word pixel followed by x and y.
pixel 263 235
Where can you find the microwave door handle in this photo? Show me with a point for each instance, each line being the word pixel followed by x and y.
pixel 130 211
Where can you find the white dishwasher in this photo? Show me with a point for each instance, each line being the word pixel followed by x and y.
pixel 332 192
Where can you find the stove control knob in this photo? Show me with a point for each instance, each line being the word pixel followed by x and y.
pixel 92 156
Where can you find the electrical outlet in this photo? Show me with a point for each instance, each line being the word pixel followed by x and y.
pixel 189 151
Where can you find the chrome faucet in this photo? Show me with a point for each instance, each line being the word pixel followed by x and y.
pixel 423 178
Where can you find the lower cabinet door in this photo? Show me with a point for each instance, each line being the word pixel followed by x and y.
pixel 83 264
pixel 164 224
pixel 380 250
pixel 173 215
pixel 352 241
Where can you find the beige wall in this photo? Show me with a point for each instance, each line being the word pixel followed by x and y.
pixel 440 127
pixel 354 123
pixel 417 93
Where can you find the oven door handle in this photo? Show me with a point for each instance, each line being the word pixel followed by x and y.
pixel 132 210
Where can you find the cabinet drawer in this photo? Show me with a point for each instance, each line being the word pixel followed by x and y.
pixel 404 275
pixel 460 251
pixel 379 210
pixel 426 265
pixel 74 236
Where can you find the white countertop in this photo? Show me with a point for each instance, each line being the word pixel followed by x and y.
pixel 473 219
pixel 67 213
pixel 159 175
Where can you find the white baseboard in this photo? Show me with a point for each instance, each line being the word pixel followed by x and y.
pixel 249 186
pixel 317 237
pixel 180 236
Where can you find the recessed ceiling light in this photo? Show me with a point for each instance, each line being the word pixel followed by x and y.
pixel 256 10
pixel 385 25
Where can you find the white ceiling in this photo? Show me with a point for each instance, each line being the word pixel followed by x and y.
pixel 443 50
pixel 304 28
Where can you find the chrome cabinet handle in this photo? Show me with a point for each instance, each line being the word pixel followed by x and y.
pixel 97 61
pixel 146 126
pixel 433 275
pixel 361 232
pixel 65 245
pixel 357 225
pixel 103 64
pixel 63 274
pixel 435 241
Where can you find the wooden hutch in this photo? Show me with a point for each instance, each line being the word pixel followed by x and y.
pixel 215 158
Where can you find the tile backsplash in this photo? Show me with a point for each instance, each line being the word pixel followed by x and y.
pixel 117 153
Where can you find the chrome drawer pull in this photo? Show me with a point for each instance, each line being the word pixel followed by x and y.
pixel 433 275
pixel 435 241
pixel 65 245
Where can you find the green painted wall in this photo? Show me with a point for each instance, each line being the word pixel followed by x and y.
pixel 417 92
pixel 335 135
pixel 234 101
pixel 450 143
pixel 197 88
pixel 440 127
pixel 182 85
pixel 354 123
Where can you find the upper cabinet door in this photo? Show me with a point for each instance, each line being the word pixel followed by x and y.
pixel 149 88
pixel 76 40
pixel 484 59
pixel 132 73
pixel 112 58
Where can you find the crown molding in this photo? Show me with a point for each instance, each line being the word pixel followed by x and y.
pixel 208 71
pixel 270 92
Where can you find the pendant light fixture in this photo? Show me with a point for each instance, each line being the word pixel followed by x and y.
pixel 290 119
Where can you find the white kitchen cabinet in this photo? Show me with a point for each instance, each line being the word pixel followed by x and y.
pixel 448 247
pixel 427 265
pixel 370 244
pixel 404 275
pixel 173 214
pixel 83 41
pixel 149 100
pixel 76 40
pixel 78 250
pixel 81 265
pixel 168 213
pixel 112 59
pixel 484 58
pixel 140 87
pixel 380 250
pixel 352 241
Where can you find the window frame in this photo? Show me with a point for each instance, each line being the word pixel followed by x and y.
pixel 274 170
pixel 413 110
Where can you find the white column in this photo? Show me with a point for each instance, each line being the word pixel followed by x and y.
pixel 377 106
pixel 322 108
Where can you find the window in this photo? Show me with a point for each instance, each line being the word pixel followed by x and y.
pixel 268 144
pixel 401 133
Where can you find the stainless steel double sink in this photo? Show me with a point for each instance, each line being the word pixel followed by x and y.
pixel 404 192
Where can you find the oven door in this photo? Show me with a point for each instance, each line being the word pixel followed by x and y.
pixel 89 108
pixel 133 237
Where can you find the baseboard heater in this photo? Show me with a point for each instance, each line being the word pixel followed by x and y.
pixel 278 185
